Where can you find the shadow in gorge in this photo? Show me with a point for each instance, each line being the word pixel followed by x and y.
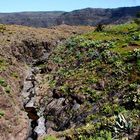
pixel 32 114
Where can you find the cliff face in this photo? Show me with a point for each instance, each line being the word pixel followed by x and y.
pixel 88 16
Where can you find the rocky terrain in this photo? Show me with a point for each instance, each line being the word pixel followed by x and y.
pixel 20 47
pixel 93 86
pixel 70 82
pixel 88 16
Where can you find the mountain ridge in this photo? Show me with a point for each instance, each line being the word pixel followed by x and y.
pixel 86 16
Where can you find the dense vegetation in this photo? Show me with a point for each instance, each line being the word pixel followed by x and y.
pixel 98 73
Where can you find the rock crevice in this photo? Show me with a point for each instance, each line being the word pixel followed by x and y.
pixel 36 119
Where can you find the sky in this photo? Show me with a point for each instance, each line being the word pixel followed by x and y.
pixel 61 5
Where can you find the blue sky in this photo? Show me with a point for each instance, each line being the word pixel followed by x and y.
pixel 63 5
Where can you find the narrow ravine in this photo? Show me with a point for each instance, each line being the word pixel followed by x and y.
pixel 35 115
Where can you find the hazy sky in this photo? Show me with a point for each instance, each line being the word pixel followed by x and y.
pixel 63 5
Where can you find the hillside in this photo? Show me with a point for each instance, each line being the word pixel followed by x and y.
pixel 94 82
pixel 91 16
pixel 73 83
pixel 88 16
pixel 70 82
pixel 35 19
pixel 20 47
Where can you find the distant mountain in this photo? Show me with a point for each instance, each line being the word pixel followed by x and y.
pixel 91 16
pixel 35 19
pixel 88 16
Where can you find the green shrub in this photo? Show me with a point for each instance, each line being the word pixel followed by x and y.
pixel 2 28
pixel 14 74
pixel 50 138
pixel 1 113
pixel 2 82
pixel 137 19
pixel 3 65
pixel 99 28
pixel 7 89
pixel 103 135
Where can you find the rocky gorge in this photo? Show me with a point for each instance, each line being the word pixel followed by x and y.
pixel 69 83
pixel 21 49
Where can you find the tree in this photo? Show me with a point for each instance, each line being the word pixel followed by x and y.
pixel 137 19
pixel 99 28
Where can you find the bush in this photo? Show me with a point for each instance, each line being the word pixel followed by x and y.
pixel 2 82
pixel 2 28
pixel 137 19
pixel 99 28
pixel 8 89
pixel 50 138
pixel 1 113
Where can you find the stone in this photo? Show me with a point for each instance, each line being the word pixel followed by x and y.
pixel 79 98
pixel 76 106
pixel 40 129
